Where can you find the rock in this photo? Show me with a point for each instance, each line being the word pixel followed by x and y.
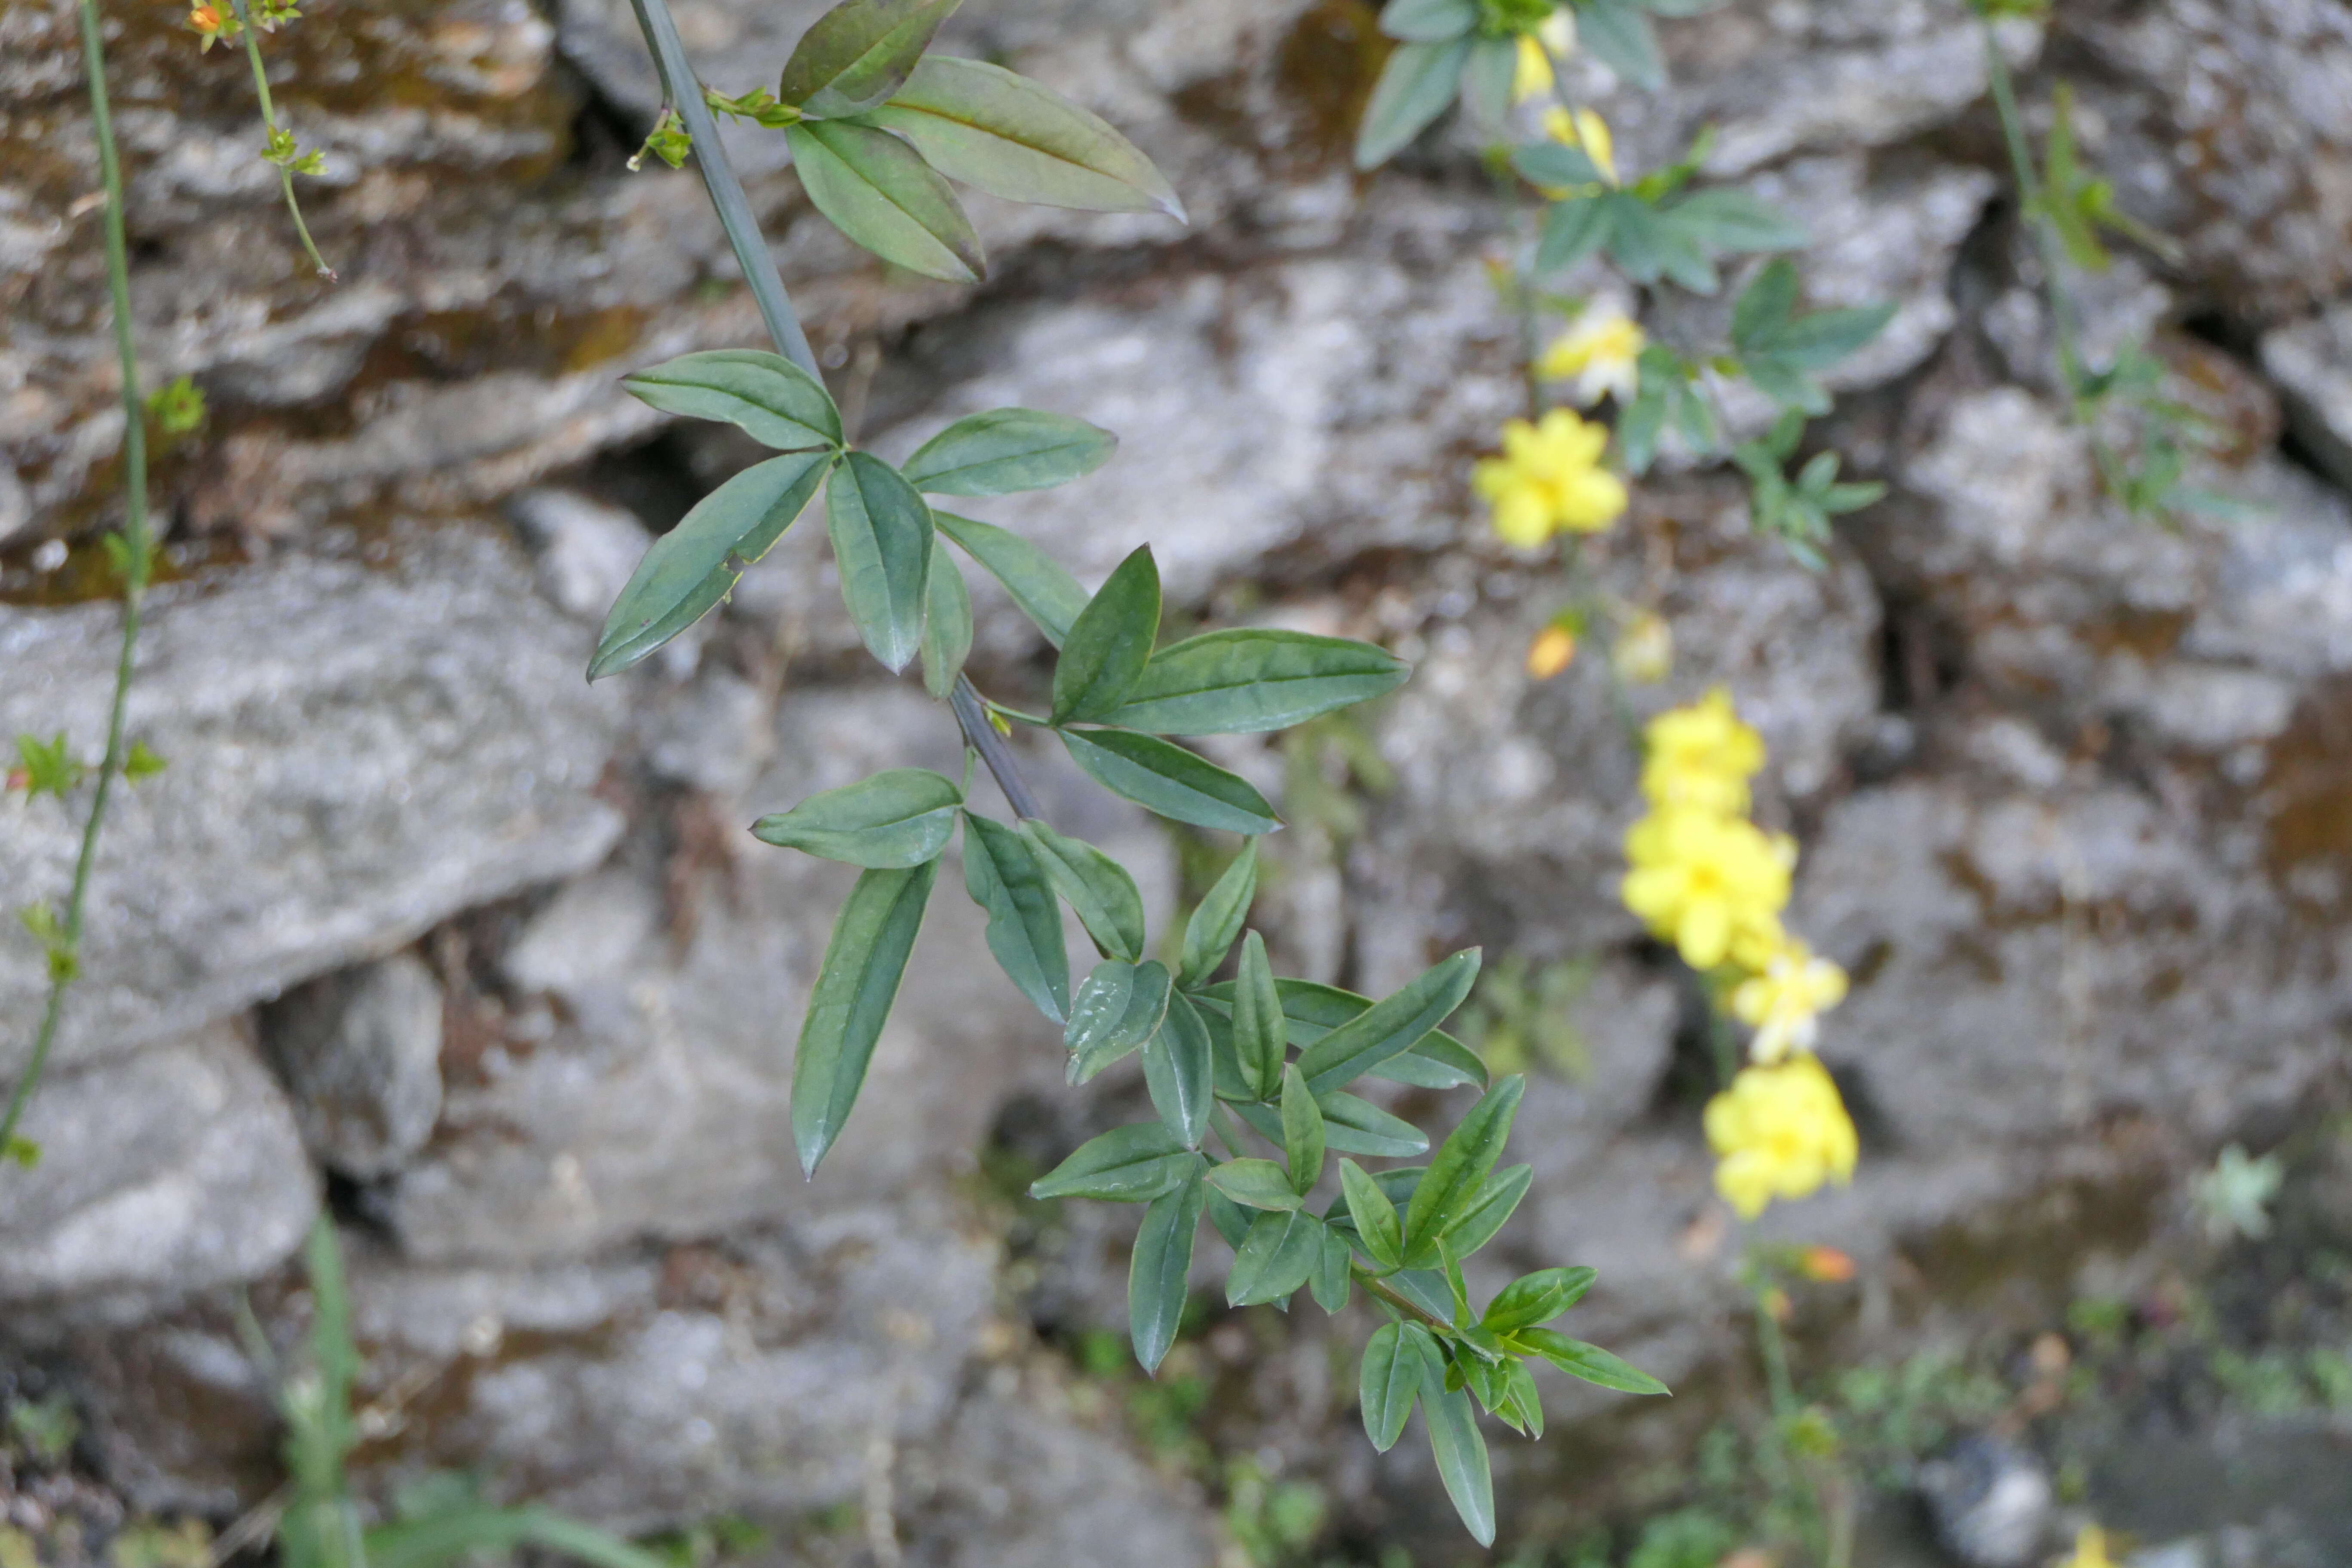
pixel 586 549
pixel 175 1171
pixel 1991 1501
pixel 357 749
pixel 2311 360
pixel 360 1051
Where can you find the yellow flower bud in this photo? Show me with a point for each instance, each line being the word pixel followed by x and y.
pixel 1552 651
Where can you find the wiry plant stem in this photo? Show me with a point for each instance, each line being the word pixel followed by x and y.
pixel 269 120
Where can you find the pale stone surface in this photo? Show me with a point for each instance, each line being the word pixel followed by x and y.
pixel 359 1052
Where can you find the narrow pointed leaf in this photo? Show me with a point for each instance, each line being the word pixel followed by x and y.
pixel 1258 1030
pixel 898 818
pixel 1572 230
pixel 1589 1363
pixel 1488 1209
pixel 1160 1267
pixel 1178 1073
pixel 1461 1166
pixel 1014 137
pixel 1109 643
pixel 1302 1132
pixel 1486 81
pixel 1619 36
pixel 1388 1381
pixel 1428 22
pixel 1007 450
pixel 1045 593
pixel 1537 1298
pixel 1275 1258
pixel 859 53
pixel 858 981
pixel 1330 1279
pixel 1217 919
pixel 1255 1183
pixel 1415 87
pixel 766 395
pixel 1522 1404
pixel 1353 1126
pixel 1459 1446
pixel 1164 778
pixel 693 566
pixel 1727 221
pixel 1248 681
pixel 1117 1010
pixel 874 188
pixel 1390 1026
pixel 1375 1217
pixel 1024 924
pixel 1127 1165
pixel 1310 1011
pixel 1232 1220
pixel 881 533
pixel 1095 886
pixel 946 623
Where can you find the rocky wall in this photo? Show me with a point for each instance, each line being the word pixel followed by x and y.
pixel 418 923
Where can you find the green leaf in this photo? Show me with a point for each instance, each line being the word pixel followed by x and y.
pixel 1589 1363
pixel 1572 230
pixel 1259 1038
pixel 1522 1402
pixel 1217 919
pixel 1160 1267
pixel 1763 307
pixel 1390 1379
pixel 1415 87
pixel 1024 924
pixel 1554 164
pixel 1109 643
pixel 1486 81
pixel 1819 341
pixel 878 193
pixel 1437 1060
pixel 22 1151
pixel 881 533
pixel 1014 138
pixel 859 54
pixel 1178 1074
pixel 1727 221
pixel 691 568
pixel 1274 1260
pixel 1537 1298
pixel 1045 593
pixel 1248 681
pixel 1428 21
pixel 1462 1166
pixel 1165 778
pixel 1619 36
pixel 1332 1263
pixel 1310 1011
pixel 1459 1446
pixel 766 395
pixel 1375 1219
pixel 1117 1010
pixel 1232 1220
pixel 1095 886
pixel 860 979
pixel 1353 1126
pixel 893 820
pixel 1302 1132
pixel 1008 449
pixel 946 623
pixel 1389 1027
pixel 1125 1165
pixel 143 763
pixel 1488 1210
pixel 49 767
pixel 1255 1183
pixel 470 1530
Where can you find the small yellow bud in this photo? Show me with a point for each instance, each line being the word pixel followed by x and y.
pixel 1553 650
pixel 1826 1264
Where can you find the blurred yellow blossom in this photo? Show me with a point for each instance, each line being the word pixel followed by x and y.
pixel 1780 1132
pixel 1603 352
pixel 1587 130
pixel 1549 478
pixel 1700 755
pixel 1553 650
pixel 1644 652
pixel 2090 1549
pixel 1713 885
pixel 1534 74
pixel 1783 1003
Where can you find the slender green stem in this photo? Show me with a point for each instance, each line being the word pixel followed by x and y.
pixel 1375 1286
pixel 270 118
pixel 2029 191
pixel 138 541
pixel 685 93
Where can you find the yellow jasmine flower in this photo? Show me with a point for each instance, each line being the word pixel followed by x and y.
pixel 1783 1003
pixel 1602 351
pixel 1533 75
pixel 1712 885
pixel 1700 755
pixel 1645 651
pixel 2090 1549
pixel 1780 1132
pixel 1587 131
pixel 1549 478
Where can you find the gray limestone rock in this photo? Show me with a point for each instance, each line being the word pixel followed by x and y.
pixel 359 1052
pixel 2311 360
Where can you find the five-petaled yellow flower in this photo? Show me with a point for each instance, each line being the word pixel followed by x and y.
pixel 1780 1132
pixel 1549 479
pixel 1603 352
pixel 1711 884
pixel 1783 1002
pixel 1701 756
